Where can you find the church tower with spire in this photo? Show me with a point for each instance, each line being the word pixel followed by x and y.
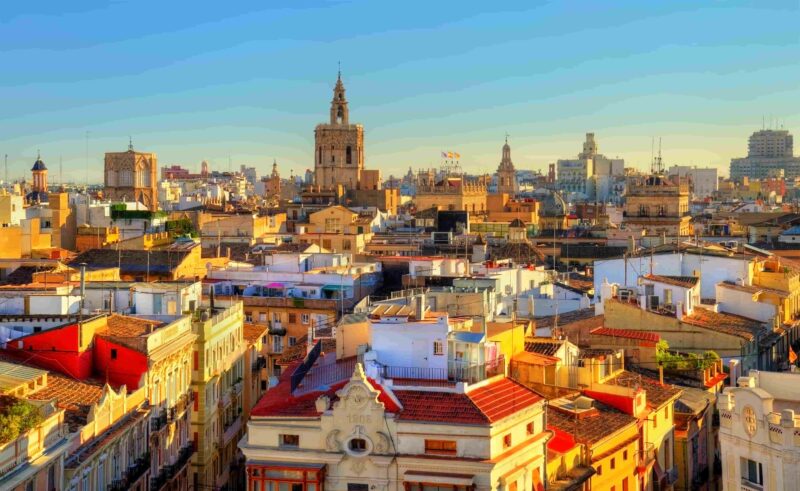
pixel 339 146
pixel 506 174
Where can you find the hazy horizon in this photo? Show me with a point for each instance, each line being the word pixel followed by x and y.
pixel 251 82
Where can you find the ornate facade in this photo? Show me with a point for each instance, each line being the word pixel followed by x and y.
pixel 131 176
pixel 506 174
pixel 339 146
pixel 452 192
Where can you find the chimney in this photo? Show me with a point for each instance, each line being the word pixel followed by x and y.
pixel 661 374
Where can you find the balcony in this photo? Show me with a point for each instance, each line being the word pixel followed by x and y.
pixel 139 468
pixel 456 371
pixel 646 458
pixel 700 477
pixel 158 422
pixel 748 485
pixel 672 475
pixel 259 363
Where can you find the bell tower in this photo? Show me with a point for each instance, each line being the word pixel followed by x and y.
pixel 506 173
pixel 339 112
pixel 339 146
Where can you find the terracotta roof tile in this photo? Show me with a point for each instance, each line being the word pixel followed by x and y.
pixel 657 394
pixel 502 397
pixel 439 407
pixel 128 327
pixel 627 333
pixel 254 331
pixel 682 281
pixel 542 346
pixel 591 427
pixel 734 325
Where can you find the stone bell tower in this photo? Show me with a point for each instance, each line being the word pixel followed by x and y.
pixel 339 148
pixel 506 174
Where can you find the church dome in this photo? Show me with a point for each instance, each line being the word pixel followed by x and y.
pixel 552 205
pixel 39 165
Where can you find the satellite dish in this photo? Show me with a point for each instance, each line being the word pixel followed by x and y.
pixel 509 290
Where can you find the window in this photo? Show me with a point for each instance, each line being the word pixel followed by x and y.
pixel 625 484
pixel 613 464
pixel 752 472
pixel 441 447
pixel 507 441
pixel 248 316
pixel 512 486
pixel 357 487
pixel 599 470
pixel 113 353
pixel 292 340
pixel 529 428
pixel 262 317
pixel 655 420
pixel 438 348
pixel 358 445
pixel 293 318
pixel 349 155
pixel 276 317
pixel 304 318
pixel 277 344
pixel 51 477
pixel 625 455
pixel 289 440
pixel 346 245
pixel 332 225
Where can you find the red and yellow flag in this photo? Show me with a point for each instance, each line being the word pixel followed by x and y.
pixel 792 356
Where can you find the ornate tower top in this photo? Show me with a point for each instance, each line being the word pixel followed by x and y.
pixel 505 162
pixel 275 168
pixel 339 111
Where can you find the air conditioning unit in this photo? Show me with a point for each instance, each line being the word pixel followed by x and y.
pixel 669 307
pixel 625 294
pixel 652 302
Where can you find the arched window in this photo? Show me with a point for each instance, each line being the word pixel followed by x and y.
pixel 339 115
pixel 319 156
pixel 349 155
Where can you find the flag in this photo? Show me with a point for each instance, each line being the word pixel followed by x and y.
pixel 458 155
pixel 444 155
pixel 792 356
pixel 449 155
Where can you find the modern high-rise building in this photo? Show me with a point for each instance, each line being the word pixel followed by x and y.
pixel 770 153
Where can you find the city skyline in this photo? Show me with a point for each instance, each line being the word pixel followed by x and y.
pixel 191 85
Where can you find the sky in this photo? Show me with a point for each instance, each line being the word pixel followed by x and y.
pixel 245 82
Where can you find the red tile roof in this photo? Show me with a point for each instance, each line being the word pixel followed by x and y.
pixel 480 406
pixel 734 325
pixel 627 333
pixel 682 281
pixel 439 407
pixel 502 397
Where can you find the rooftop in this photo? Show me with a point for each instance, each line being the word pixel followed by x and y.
pixel 590 427
pixel 647 336
pixel 725 323
pixel 128 327
pixel 682 281
pixel 657 394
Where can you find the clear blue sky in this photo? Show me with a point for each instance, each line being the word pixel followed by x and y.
pixel 205 80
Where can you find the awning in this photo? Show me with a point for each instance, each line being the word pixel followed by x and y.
pixel 333 288
pixel 285 465
pixel 275 285
pixel 439 478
